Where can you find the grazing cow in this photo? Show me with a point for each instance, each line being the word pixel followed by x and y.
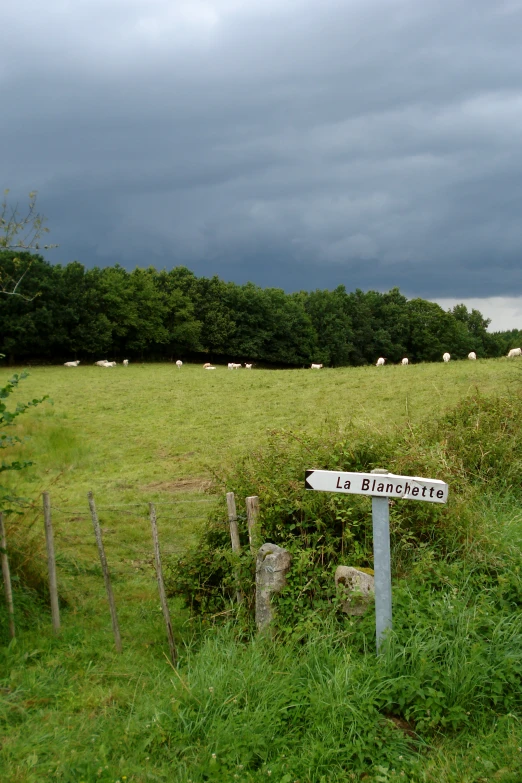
pixel 248 366
pixel 208 367
pixel 316 366
pixel 446 357
pixel 72 364
pixel 179 364
pixel 405 360
pixel 514 352
pixel 472 355
pixel 125 362
pixel 233 366
pixel 380 362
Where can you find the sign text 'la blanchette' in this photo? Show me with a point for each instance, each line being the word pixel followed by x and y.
pixel 389 485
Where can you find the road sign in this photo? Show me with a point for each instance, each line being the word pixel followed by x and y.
pixel 380 486
pixel 375 485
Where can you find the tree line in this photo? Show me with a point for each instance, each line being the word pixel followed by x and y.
pixel 70 312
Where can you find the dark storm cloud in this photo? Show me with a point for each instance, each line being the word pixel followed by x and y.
pixel 366 142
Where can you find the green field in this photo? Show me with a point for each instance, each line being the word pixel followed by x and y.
pixel 153 433
pixel 72 709
pixel 130 432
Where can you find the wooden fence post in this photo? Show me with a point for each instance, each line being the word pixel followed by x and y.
pixel 106 577
pixel 161 585
pixel 51 562
pixel 7 578
pixel 234 536
pixel 252 507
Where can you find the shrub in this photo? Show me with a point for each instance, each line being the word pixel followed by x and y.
pixel 476 448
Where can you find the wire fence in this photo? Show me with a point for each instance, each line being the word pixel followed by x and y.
pixel 177 510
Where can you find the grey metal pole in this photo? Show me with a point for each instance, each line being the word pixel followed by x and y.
pixel 382 563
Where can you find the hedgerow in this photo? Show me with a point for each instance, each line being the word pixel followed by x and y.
pixel 476 448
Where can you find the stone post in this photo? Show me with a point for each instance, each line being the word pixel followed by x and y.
pixel 358 589
pixel 272 566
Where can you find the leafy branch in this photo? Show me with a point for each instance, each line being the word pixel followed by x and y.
pixel 7 419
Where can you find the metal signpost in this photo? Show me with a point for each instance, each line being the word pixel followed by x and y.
pixel 380 486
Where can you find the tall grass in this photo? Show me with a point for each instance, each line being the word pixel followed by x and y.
pixel 322 709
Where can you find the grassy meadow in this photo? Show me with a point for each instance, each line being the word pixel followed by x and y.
pixel 71 709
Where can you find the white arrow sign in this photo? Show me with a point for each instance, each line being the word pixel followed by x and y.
pixel 374 485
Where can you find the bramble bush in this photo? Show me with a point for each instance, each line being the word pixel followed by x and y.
pixel 476 448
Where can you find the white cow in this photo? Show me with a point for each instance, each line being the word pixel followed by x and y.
pixel 248 366
pixel 109 364
pixel 101 363
pixel 514 352
pixel 179 364
pixel 316 366
pixel 233 366
pixel 405 360
pixel 380 362
pixel 72 364
pixel 446 357
pixel 472 355
pixel 125 362
pixel 207 364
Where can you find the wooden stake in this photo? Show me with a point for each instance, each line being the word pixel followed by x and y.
pixel 51 562
pixel 105 569
pixel 161 585
pixel 232 518
pixel 234 535
pixel 7 578
pixel 252 507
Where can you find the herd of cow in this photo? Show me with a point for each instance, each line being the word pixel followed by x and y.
pixel 445 357
pixel 102 363
pixel 233 366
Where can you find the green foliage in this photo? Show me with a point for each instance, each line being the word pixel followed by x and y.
pixel 476 446
pixel 455 651
pixel 7 419
pixel 72 311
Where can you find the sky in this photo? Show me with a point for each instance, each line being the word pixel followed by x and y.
pixel 294 143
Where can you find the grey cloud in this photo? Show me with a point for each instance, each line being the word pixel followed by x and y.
pixel 301 144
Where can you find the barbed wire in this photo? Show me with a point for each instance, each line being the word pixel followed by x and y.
pixel 83 516
pixel 82 512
